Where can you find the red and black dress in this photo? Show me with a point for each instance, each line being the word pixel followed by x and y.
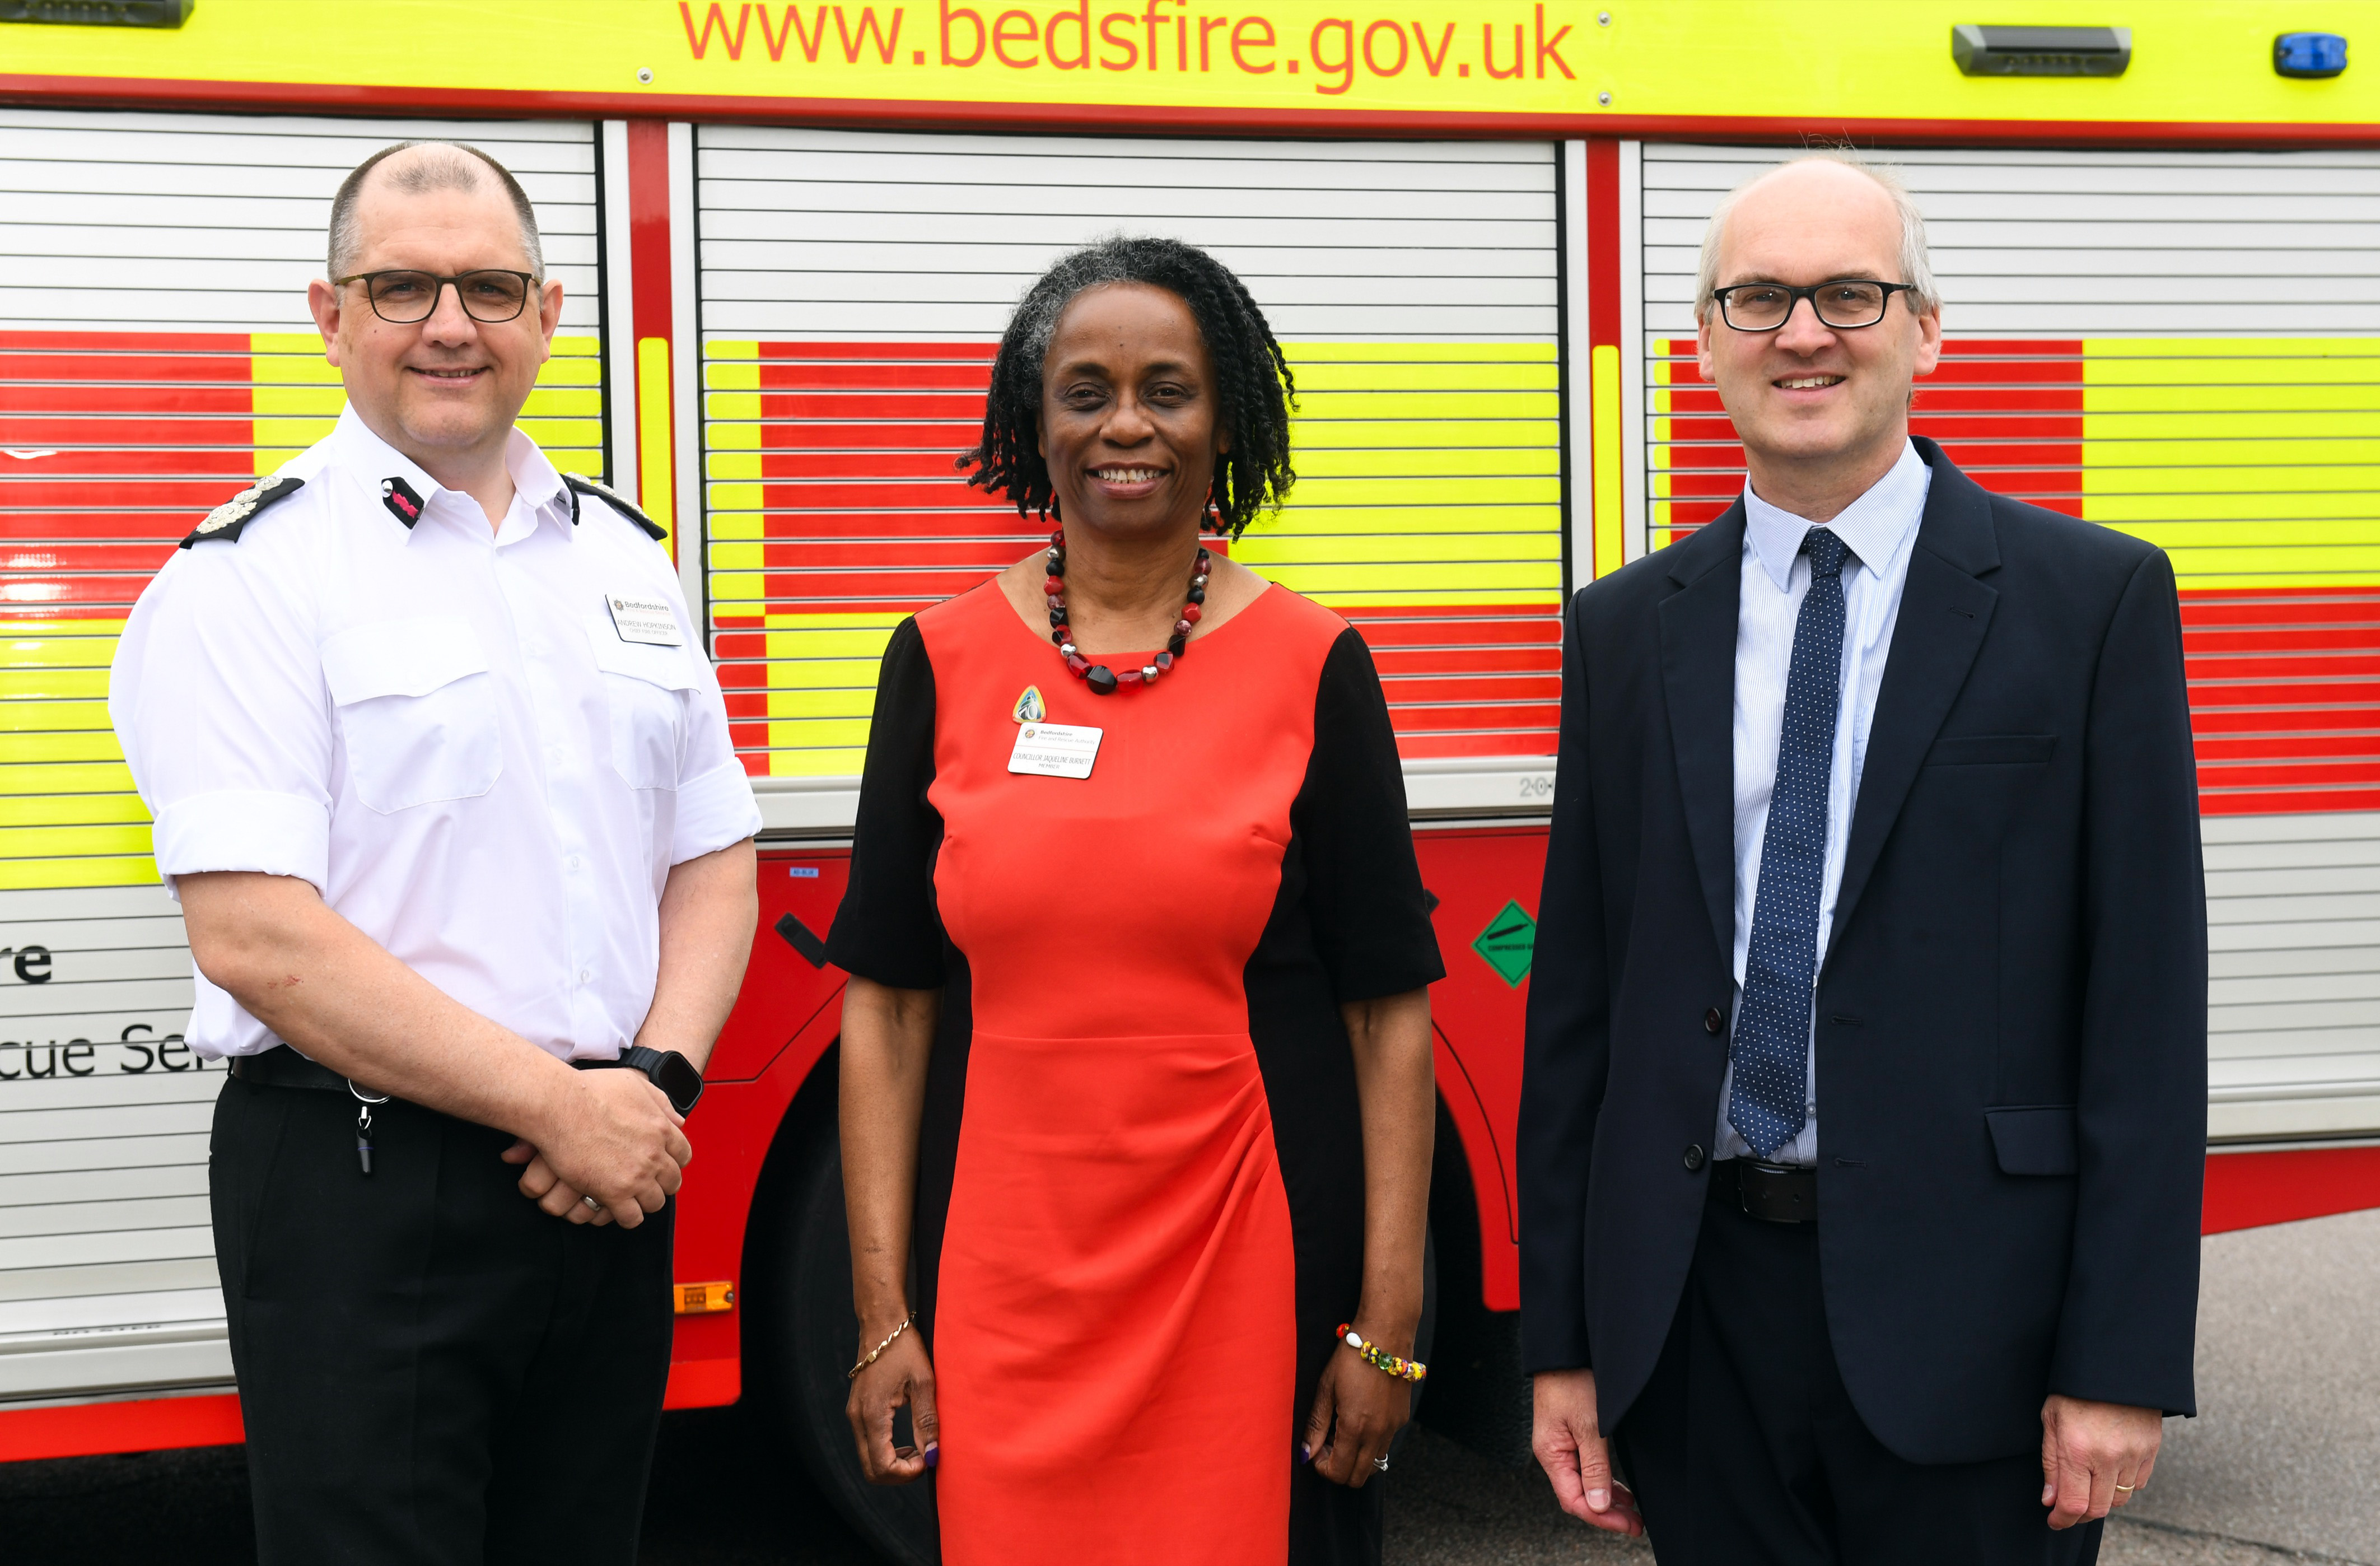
pixel 1140 1195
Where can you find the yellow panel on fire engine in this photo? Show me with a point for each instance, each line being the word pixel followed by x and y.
pixel 133 407
pixel 858 285
pixel 155 357
pixel 2192 60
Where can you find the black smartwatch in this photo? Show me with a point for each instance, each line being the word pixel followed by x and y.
pixel 670 1071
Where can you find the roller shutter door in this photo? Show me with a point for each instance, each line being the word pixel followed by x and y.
pixel 2185 347
pixel 855 285
pixel 155 354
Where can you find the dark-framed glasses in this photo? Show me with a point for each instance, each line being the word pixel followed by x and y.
pixel 401 298
pixel 1845 304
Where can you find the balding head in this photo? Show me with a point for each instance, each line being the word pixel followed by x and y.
pixel 421 168
pixel 1823 189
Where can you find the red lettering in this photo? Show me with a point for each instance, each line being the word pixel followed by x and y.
pixel 701 46
pixel 1434 61
pixel 1206 26
pixel 1148 13
pixel 1081 16
pixel 1344 66
pixel 808 38
pixel 1402 52
pixel 1002 35
pixel 1551 47
pixel 1182 41
pixel 1488 46
pixel 982 38
pixel 1239 42
pixel 1127 43
pixel 884 41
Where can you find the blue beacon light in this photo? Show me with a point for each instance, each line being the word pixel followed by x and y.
pixel 2309 53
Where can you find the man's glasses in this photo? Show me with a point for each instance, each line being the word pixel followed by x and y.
pixel 1845 304
pixel 402 298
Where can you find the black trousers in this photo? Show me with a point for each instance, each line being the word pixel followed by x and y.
pixel 1744 1449
pixel 432 1371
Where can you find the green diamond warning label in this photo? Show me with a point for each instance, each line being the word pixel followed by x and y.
pixel 1507 943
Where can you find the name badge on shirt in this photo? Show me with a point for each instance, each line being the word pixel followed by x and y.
pixel 1056 750
pixel 648 620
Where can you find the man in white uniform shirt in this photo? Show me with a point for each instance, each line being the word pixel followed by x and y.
pixel 442 781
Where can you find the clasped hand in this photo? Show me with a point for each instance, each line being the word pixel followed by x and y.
pixel 613 1137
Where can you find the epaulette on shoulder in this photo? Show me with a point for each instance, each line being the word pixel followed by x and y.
pixel 225 521
pixel 579 484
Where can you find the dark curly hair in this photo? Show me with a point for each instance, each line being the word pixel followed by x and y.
pixel 1252 380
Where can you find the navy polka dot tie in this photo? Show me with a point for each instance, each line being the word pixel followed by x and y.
pixel 1769 1102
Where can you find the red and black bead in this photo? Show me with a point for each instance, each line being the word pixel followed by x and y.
pixel 1102 680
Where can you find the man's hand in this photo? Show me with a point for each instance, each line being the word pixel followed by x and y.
pixel 614 1137
pixel 1571 1448
pixel 2094 1456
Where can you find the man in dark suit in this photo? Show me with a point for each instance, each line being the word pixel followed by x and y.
pixel 1863 1121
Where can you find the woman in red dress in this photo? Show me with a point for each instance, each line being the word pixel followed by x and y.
pixel 1136 1047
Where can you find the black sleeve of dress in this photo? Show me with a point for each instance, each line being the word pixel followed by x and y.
pixel 887 928
pixel 1364 898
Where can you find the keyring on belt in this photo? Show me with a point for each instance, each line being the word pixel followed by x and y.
pixel 364 1102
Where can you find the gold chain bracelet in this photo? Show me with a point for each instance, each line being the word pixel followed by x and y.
pixel 1380 1359
pixel 869 1358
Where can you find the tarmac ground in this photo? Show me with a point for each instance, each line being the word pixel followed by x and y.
pixel 2283 1465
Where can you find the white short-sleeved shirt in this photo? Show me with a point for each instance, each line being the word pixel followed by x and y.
pixel 444 728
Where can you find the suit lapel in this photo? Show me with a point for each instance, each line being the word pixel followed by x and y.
pixel 1945 611
pixel 1698 679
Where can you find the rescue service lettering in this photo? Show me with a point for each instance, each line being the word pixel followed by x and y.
pixel 138 1051
pixel 1505 43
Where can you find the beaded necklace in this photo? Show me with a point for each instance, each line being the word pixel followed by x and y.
pixel 1103 680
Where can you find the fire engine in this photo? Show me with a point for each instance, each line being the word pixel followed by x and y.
pixel 789 235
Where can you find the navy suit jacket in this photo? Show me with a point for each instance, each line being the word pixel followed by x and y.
pixel 2011 1021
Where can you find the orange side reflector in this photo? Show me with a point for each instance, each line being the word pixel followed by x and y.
pixel 705 1299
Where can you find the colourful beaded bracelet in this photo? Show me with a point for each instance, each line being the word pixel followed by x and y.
pixel 1380 1359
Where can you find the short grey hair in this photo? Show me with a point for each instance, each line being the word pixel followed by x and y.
pixel 451 167
pixel 1916 268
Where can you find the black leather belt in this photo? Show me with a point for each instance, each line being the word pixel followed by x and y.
pixel 284 1067
pixel 1765 1191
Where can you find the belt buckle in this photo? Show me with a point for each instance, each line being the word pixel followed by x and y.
pixel 1792 1199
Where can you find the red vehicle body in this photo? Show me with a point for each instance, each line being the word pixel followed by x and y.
pixel 757 1264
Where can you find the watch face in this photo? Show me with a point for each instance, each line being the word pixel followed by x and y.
pixel 675 1075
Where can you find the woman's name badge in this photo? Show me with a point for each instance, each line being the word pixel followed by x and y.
pixel 1056 750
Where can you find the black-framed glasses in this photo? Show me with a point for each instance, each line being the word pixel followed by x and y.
pixel 403 299
pixel 1846 304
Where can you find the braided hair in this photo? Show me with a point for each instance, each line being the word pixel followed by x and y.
pixel 1254 387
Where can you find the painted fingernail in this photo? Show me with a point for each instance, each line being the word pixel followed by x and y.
pixel 933 1455
pixel 1305 1452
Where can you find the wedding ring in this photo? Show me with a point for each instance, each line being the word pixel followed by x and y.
pixel 593 1204
pixel 1381 1463
pixel 2126 1488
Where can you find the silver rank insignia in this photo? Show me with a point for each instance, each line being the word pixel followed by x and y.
pixel 226 520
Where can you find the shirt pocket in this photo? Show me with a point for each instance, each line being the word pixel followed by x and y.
pixel 646 688
pixel 418 706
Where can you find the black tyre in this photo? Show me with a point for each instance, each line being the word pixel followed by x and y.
pixel 802 1346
